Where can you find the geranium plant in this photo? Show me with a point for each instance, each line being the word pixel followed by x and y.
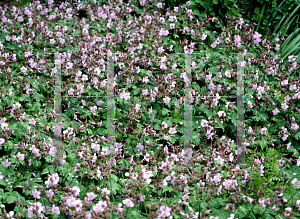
pixel 149 179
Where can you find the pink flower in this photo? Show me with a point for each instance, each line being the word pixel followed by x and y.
pixel 69 65
pixel 281 163
pixel 160 50
pixel 90 197
pixel 284 137
pixel 294 126
pixel 125 96
pixel 55 210
pixel 52 180
pixel 293 87
pixel 99 102
pixel 49 193
pixel 100 207
pixel 2 141
pixel 53 151
pixel 145 92
pixel 227 74
pixel 137 107
pixel 105 191
pixel 145 79
pixel 140 146
pixel 219 74
pixel 93 109
pixel 275 111
pixel 36 152
pixel 6 163
pixel 203 36
pixel 292 58
pixel 21 156
pixel 263 131
pixel 128 202
pixel 36 194
pixel 284 106
pixel 287 211
pixel 95 147
pixel 76 190
pixel 219 160
pixel 262 203
pixel 23 69
pixel 35 207
pixel 164 212
pixel 227 184
pixel 167 99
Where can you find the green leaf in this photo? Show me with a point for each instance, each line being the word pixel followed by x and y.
pixel 134 214
pixel 69 112
pixel 45 171
pixel 136 91
pixel 2 194
pixel 262 143
pixel 168 189
pixel 10 47
pixel 177 115
pixel 165 111
pixel 13 196
pixel 36 107
pixel 66 124
pixel 19 132
pixel 39 97
pixel 297 136
pixel 113 186
pixel 156 127
pixel 214 204
pixel 172 139
pixel 220 124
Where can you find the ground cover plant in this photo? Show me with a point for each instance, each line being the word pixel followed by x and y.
pixel 149 179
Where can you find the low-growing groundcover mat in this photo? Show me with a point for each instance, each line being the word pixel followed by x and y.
pixel 149 180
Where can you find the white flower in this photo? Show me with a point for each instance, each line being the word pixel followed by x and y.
pixel 204 123
pixel 159 5
pixel 164 125
pixel 17 105
pixel 97 70
pixel 84 77
pixel 221 113
pixel 172 131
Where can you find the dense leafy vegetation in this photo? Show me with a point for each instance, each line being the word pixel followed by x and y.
pixel 149 178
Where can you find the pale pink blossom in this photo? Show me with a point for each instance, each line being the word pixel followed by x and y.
pixel 128 203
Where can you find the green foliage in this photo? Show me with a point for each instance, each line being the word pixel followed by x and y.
pixel 269 15
pixel 146 128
